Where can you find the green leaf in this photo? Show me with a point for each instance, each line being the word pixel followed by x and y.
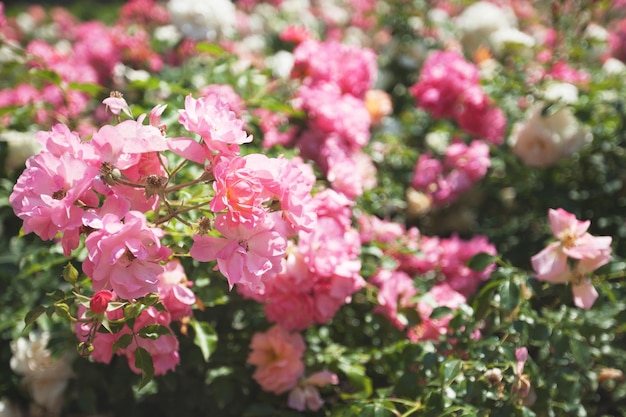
pixel 89 88
pixel 357 376
pixel 143 361
pixel 33 315
pixel 47 75
pixel 209 48
pixel 153 331
pixel 376 410
pixel 439 312
pixel 481 261
pixel 450 370
pixel 509 295
pixel 580 352
pixel 123 342
pixel 205 337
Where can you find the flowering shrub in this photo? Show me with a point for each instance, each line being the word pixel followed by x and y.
pixel 346 208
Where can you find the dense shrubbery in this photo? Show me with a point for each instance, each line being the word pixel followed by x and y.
pixel 386 208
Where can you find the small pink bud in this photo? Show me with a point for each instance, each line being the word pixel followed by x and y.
pixel 100 301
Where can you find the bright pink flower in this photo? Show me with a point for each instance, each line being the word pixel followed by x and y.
pixel 306 396
pixel 174 290
pixel 395 290
pixel 100 301
pixel 441 295
pixel 239 189
pixel 124 255
pixel 275 127
pixel 212 119
pixel 482 119
pixel 574 243
pixel 453 257
pixel 350 68
pixel 334 112
pixel 244 255
pixel 277 354
pixel 444 78
pixel 295 34
pixel 562 71
pixel 46 193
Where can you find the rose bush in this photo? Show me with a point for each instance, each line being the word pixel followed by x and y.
pixel 346 208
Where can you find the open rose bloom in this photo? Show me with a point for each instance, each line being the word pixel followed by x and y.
pixel 573 257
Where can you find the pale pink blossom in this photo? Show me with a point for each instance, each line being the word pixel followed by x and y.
pixel 226 93
pixel 306 396
pixel 117 104
pixel 277 355
pixel 174 290
pixel 45 196
pixel 212 119
pixel 244 255
pixel 124 255
pixel 574 243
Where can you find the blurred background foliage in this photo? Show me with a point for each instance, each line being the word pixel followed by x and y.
pixel 574 355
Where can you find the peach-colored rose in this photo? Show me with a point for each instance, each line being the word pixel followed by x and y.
pixel 277 354
pixel 378 104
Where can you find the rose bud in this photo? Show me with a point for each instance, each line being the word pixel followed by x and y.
pixel 100 301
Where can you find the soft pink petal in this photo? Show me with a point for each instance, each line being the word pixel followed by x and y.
pixel 584 294
pixel 187 148
pixel 551 264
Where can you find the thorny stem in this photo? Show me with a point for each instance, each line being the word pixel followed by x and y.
pixel 203 178
pixel 175 213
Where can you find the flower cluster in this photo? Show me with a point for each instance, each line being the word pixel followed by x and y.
pixel 320 273
pixel 449 87
pixel 111 190
pixel 463 166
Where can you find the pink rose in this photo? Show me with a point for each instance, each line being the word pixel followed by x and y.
pixel 277 354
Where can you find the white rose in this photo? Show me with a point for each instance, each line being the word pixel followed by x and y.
pixel 478 21
pixel 7 409
pixel 565 93
pixel 281 64
pixel 203 20
pixel 614 66
pixel 21 146
pixel 512 40
pixel 542 141
pixel 44 376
